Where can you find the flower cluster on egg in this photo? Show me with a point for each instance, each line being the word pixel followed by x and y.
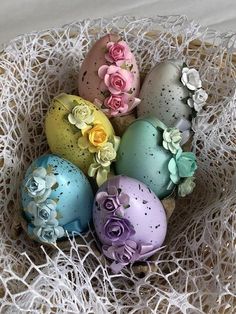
pixel 39 186
pixel 117 80
pixel 94 138
pixel 57 199
pixel 116 86
pixel 149 161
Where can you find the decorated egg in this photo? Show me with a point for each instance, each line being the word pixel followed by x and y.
pixel 56 198
pixel 76 129
pixel 151 153
pixel 171 92
pixel 129 220
pixel 109 76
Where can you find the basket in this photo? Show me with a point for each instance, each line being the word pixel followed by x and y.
pixel 194 272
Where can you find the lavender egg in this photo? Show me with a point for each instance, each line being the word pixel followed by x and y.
pixel 129 220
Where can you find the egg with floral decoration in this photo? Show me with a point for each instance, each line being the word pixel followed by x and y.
pixel 173 93
pixel 56 199
pixel 129 220
pixel 81 133
pixel 151 153
pixel 109 76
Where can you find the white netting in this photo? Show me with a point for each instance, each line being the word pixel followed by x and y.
pixel 196 272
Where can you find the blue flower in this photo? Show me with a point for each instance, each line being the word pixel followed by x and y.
pixel 40 183
pixel 43 213
pixel 182 165
pixel 49 233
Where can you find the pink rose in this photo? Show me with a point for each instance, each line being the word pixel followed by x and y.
pixel 115 79
pixel 118 51
pixel 116 104
pixel 120 104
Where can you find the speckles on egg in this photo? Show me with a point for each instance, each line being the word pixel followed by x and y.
pixel 63 137
pixel 72 192
pixel 144 213
pixel 140 156
pixel 162 94
pixel 90 88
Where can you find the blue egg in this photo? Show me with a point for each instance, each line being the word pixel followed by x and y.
pixel 56 198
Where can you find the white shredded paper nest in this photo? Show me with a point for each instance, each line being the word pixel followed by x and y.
pixel 195 272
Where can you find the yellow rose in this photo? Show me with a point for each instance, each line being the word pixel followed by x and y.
pixel 93 138
pixel 97 135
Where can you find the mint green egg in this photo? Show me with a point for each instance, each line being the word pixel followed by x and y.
pixel 141 156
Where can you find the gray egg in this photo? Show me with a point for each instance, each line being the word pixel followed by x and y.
pixel 163 95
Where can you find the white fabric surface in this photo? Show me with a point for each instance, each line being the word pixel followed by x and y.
pixel 22 16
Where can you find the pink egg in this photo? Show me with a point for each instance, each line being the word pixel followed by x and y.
pixel 109 76
pixel 129 220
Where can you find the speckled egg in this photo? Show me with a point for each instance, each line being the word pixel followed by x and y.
pixel 141 156
pixel 91 85
pixel 56 198
pixel 129 220
pixel 163 95
pixel 62 136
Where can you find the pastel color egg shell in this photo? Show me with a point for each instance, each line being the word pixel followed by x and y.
pixel 145 213
pixel 89 80
pixel 74 194
pixel 163 95
pixel 62 137
pixel 141 156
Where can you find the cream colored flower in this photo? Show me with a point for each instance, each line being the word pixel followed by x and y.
pixel 186 187
pixel 171 139
pixel 105 155
pixel 191 78
pixel 81 116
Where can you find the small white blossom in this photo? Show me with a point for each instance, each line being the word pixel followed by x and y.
pixel 40 183
pixel 191 79
pixel 198 99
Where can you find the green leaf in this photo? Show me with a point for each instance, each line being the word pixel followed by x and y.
pixel 55 186
pixel 123 66
pixel 127 206
pixel 184 100
pixel 131 67
pixel 105 93
pixel 49 169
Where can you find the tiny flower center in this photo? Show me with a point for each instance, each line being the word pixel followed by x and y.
pixel 44 213
pixel 118 82
pixel 48 234
pixel 115 231
pixel 109 205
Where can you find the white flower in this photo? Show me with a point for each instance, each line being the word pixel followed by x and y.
pixel 81 116
pixel 191 78
pixel 43 213
pixel 49 233
pixel 105 155
pixel 40 183
pixel 198 99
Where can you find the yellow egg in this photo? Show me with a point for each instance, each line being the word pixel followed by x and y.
pixel 63 136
